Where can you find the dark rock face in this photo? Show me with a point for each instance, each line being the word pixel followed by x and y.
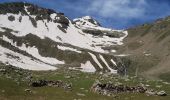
pixel 11 18
pixel 61 19
pixel 33 21
pixel 62 29
pixel 39 83
pixel 12 8
pixel 41 13
pixel 94 32
pixel 17 7
pixel 93 22
pixel 102 33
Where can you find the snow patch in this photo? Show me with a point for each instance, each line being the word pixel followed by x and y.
pixel 112 70
pixel 122 55
pixel 113 51
pixel 96 60
pixel 114 63
pixel 67 48
pixel 87 67
pixel 74 36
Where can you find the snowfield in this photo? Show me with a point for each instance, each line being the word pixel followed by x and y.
pixel 18 60
pixel 34 52
pixel 87 67
pixel 73 35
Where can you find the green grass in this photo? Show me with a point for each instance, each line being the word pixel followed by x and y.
pixel 81 84
pixel 165 76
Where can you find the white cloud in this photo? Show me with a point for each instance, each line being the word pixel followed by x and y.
pixel 118 8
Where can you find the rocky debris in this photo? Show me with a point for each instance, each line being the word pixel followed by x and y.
pixel 150 93
pixel 58 83
pixel 109 89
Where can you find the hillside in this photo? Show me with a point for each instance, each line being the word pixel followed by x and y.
pixel 149 46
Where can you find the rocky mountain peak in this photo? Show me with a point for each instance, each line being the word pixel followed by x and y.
pixel 86 21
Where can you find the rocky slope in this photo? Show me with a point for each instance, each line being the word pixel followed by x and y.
pixel 36 38
pixel 149 47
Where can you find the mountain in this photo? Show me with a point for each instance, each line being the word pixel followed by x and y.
pixel 37 38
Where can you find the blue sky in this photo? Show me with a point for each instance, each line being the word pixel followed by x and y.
pixel 118 14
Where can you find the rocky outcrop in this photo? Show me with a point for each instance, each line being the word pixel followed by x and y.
pixel 58 83
pixel 110 89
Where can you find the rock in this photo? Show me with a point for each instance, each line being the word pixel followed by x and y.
pixel 80 94
pixel 147 85
pixel 141 89
pixel 27 90
pixel 3 91
pixel 67 77
pixel 82 88
pixel 87 77
pixel 39 83
pixel 58 83
pixel 159 86
pixel 2 70
pixel 68 86
pixel 150 93
pixel 161 93
pixel 166 83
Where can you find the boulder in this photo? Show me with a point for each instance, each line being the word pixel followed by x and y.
pixel 161 93
pixel 28 90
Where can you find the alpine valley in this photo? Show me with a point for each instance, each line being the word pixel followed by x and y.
pixel 44 55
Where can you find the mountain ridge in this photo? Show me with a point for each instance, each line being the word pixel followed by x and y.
pixel 51 38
